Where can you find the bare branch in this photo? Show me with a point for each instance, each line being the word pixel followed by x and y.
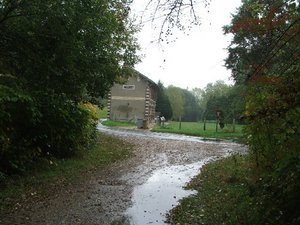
pixel 174 14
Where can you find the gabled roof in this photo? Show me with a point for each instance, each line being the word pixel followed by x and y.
pixel 135 72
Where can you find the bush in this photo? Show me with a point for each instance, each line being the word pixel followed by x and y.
pixel 66 127
pixel 19 116
pixel 273 114
pixel 40 125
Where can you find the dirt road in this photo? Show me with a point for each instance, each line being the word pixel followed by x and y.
pixel 119 193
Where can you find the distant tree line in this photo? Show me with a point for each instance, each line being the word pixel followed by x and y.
pixel 202 104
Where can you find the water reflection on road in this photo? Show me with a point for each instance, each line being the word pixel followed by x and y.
pixel 161 193
pixel 162 188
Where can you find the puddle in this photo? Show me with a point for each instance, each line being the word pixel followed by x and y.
pixel 160 193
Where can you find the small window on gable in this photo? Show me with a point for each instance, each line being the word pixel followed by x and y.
pixel 128 87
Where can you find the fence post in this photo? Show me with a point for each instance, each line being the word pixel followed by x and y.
pixel 233 125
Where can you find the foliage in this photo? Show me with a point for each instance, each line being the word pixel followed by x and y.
pixel 92 110
pixel 191 108
pixel 46 127
pixel 218 96
pixel 16 128
pixel 264 55
pixel 102 113
pixel 162 103
pixel 68 47
pixel 55 56
pixel 176 101
pixel 230 192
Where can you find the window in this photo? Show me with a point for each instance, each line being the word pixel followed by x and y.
pixel 129 87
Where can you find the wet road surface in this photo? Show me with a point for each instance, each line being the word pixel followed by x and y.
pixel 137 191
pixel 162 188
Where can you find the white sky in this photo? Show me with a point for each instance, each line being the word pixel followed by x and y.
pixel 194 60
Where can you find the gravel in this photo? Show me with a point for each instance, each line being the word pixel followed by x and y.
pixel 101 197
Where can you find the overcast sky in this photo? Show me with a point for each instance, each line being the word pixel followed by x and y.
pixel 194 60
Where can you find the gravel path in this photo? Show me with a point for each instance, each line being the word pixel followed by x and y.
pixel 103 196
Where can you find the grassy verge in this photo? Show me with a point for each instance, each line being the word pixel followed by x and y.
pixel 224 195
pixel 230 193
pixel 102 113
pixel 107 150
pixel 196 129
pixel 112 123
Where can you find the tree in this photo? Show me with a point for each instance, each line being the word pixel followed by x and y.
pixel 177 102
pixel 180 14
pixel 191 108
pixel 54 55
pixel 264 55
pixel 211 92
pixel 199 95
pixel 163 104
pixel 75 48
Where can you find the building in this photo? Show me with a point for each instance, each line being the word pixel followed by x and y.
pixel 134 100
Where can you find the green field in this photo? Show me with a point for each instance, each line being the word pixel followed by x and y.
pixel 112 123
pixel 197 129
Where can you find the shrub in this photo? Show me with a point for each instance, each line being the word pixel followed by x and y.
pixel 40 125
pixel 18 118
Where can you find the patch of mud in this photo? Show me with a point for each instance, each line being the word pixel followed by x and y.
pixel 104 196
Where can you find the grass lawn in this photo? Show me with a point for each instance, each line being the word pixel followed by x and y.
pixel 111 123
pixel 231 191
pixel 225 189
pixel 107 150
pixel 196 129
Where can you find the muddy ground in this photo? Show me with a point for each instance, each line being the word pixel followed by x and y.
pixel 102 197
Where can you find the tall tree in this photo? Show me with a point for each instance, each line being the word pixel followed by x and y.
pixel 70 47
pixel 54 55
pixel 264 55
pixel 163 104
pixel 191 107
pixel 210 93
pixel 177 102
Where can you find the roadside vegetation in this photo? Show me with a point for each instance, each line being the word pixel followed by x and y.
pixel 57 61
pixel 51 172
pixel 112 123
pixel 231 191
pixel 102 113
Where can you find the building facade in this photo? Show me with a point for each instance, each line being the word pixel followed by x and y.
pixel 134 100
